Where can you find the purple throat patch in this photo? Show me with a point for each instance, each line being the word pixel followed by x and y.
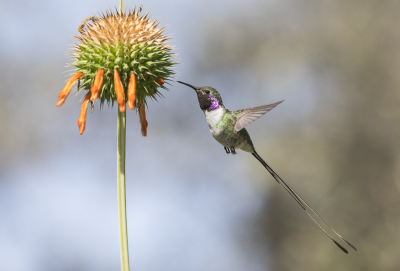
pixel 214 103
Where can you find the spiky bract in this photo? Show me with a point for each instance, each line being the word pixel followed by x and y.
pixel 129 43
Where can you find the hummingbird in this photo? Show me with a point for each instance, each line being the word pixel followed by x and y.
pixel 228 128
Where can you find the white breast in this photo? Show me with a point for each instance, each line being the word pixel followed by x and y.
pixel 214 117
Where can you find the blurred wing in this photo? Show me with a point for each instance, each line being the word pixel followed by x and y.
pixel 251 114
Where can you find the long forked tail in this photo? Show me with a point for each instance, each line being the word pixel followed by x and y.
pixel 302 203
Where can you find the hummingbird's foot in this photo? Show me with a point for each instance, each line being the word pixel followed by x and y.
pixel 233 151
pixel 228 151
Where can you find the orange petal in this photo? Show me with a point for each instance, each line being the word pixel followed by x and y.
pixel 82 117
pixel 119 91
pixel 97 84
pixel 132 92
pixel 67 89
pixel 142 119
pixel 160 81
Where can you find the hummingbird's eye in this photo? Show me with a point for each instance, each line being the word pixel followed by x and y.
pixel 207 92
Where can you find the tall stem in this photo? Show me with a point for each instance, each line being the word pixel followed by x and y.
pixel 120 8
pixel 123 232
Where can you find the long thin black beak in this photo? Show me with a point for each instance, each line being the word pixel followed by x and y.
pixel 187 85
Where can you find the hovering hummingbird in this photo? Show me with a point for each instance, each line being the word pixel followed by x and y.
pixel 227 127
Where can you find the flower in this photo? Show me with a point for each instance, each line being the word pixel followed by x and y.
pixel 120 58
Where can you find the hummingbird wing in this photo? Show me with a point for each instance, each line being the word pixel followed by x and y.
pixel 248 115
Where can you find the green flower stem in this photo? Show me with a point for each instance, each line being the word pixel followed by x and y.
pixel 123 233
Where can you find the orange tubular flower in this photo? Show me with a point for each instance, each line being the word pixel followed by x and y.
pixel 132 92
pixel 67 89
pixel 82 117
pixel 160 81
pixel 142 119
pixel 98 83
pixel 119 91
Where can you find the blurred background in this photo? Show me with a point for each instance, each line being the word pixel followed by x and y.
pixel 335 140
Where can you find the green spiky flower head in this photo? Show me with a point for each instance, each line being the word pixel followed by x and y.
pixel 130 44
